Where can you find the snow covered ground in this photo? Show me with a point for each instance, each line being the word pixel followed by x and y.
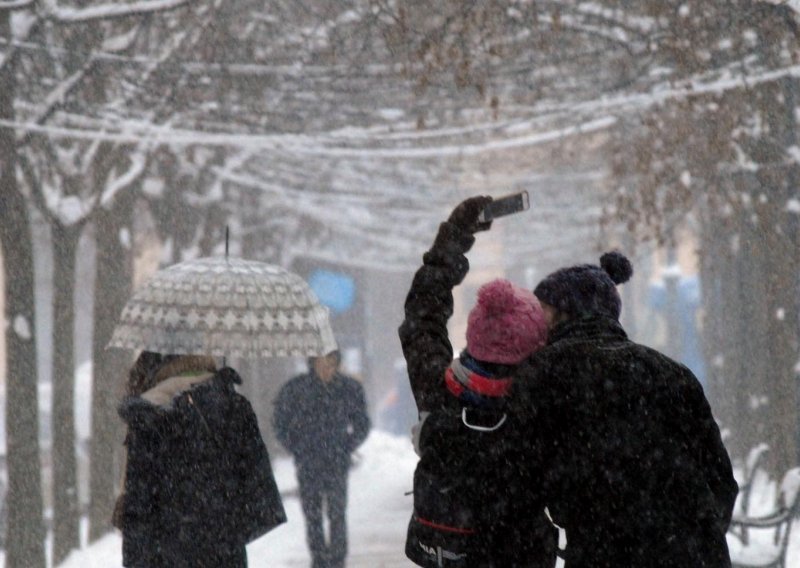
pixel 762 545
pixel 378 515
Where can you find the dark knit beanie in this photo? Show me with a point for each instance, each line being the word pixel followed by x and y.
pixel 587 289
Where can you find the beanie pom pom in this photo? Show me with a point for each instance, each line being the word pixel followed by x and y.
pixel 497 297
pixel 617 266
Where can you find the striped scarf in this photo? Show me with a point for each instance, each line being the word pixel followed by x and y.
pixel 472 384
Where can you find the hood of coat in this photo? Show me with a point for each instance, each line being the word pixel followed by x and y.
pixel 174 378
pixel 165 392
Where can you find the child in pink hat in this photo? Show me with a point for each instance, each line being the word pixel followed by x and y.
pixel 471 505
pixel 504 328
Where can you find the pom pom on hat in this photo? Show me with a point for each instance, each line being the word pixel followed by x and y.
pixel 618 267
pixel 586 289
pixel 506 325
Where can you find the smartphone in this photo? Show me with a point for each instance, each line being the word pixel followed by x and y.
pixel 503 206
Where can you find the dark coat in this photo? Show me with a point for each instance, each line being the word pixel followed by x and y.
pixel 321 424
pixel 636 470
pixel 198 484
pixel 465 478
pixel 428 307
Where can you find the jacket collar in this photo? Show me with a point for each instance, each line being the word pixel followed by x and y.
pixel 183 364
pixel 336 379
pixel 593 327
pixel 167 390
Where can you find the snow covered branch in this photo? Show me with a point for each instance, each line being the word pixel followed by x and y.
pixel 66 210
pixel 110 10
pixel 58 95
pixel 462 150
pixel 318 145
pixel 15 4
pixel 794 5
pixel 137 168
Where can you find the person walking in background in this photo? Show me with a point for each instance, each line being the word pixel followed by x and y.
pixel 321 418
pixel 472 508
pixel 636 472
pixel 198 481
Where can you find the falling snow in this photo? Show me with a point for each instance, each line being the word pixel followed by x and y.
pixel 22 328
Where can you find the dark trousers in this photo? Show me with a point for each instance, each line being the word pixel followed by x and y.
pixel 324 490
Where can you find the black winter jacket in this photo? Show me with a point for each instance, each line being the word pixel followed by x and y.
pixel 636 470
pixel 465 478
pixel 198 483
pixel 321 424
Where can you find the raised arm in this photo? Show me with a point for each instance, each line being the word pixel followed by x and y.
pixel 429 304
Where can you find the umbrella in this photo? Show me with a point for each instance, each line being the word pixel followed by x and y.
pixel 225 307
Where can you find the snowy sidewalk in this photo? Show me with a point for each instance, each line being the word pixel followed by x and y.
pixel 378 514
pixel 378 510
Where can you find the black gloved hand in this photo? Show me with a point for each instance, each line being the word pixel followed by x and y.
pixel 466 213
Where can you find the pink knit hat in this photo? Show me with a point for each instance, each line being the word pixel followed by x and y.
pixel 506 325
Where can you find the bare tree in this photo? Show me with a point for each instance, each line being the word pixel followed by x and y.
pixel 322 112
pixel 726 155
pixel 59 66
pixel 25 536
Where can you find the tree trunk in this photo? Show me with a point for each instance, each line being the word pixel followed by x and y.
pixel 66 514
pixel 712 261
pixel 25 536
pixel 716 271
pixel 771 265
pixel 730 301
pixel 110 366
pixel 779 379
pixel 752 346
pixel 782 289
pixel 752 328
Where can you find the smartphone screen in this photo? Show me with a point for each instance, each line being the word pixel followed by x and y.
pixel 503 206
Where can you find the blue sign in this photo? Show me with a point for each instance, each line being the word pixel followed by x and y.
pixel 687 305
pixel 334 289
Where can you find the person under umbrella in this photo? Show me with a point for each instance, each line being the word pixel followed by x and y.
pixel 198 481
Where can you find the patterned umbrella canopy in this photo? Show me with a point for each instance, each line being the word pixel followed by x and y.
pixel 225 307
